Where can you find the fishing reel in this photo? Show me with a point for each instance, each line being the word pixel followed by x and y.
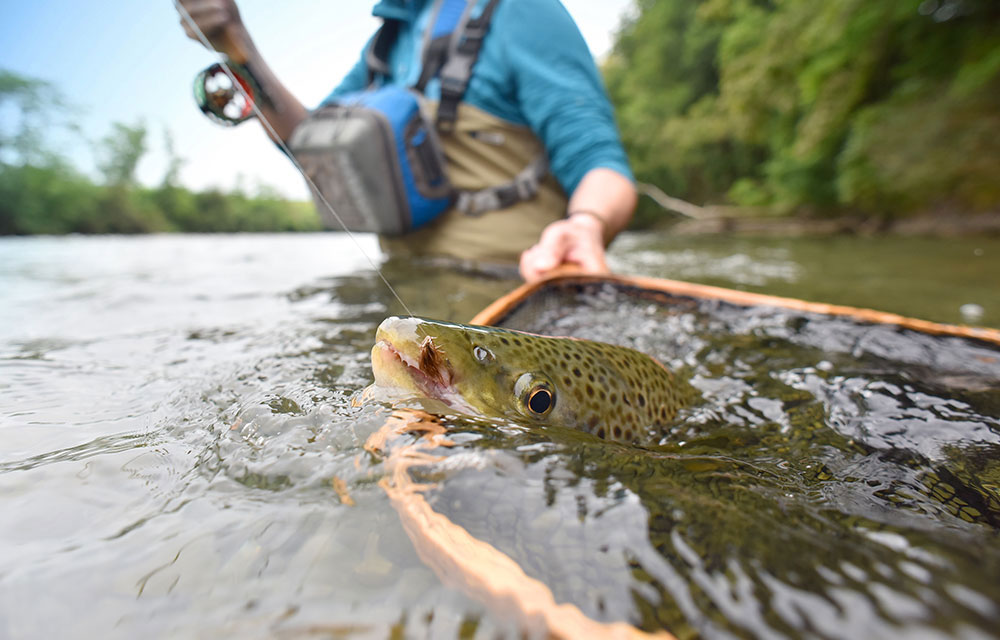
pixel 223 101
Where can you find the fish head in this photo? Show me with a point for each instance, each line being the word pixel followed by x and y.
pixel 481 370
pixel 610 391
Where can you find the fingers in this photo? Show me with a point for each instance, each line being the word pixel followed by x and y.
pixel 210 22
pixel 564 242
pixel 201 6
pixel 547 254
pixel 591 261
pixel 587 248
pixel 211 16
pixel 535 262
pixel 543 257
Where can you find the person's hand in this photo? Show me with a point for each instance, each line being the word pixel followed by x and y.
pixel 220 21
pixel 577 240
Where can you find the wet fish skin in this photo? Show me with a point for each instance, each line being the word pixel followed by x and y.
pixel 611 391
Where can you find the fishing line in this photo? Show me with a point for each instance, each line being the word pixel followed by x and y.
pixel 281 143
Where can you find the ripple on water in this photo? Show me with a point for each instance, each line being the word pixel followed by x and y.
pixel 184 461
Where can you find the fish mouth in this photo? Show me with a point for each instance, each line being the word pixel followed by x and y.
pixel 405 361
pixel 435 380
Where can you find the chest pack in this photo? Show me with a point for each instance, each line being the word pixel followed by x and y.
pixel 376 157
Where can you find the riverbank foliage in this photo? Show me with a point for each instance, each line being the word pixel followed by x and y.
pixel 56 199
pixel 42 193
pixel 878 108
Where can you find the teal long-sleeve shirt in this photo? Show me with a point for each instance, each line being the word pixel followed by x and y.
pixel 534 69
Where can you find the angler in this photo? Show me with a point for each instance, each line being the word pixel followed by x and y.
pixel 473 129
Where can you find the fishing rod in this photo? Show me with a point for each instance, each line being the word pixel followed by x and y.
pixel 218 104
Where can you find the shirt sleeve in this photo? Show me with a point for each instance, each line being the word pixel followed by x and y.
pixel 559 90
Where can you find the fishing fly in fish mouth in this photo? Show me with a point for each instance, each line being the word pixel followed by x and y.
pixel 610 391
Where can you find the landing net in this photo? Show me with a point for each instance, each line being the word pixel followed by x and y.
pixel 837 473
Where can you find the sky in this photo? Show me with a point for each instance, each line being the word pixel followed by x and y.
pixel 129 60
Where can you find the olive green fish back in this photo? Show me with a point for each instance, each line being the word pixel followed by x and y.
pixel 611 391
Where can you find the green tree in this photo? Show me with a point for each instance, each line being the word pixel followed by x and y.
pixel 171 177
pixel 883 108
pixel 50 199
pixel 120 152
pixel 32 105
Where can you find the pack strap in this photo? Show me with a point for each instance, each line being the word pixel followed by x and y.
pixel 377 54
pixel 448 17
pixel 523 187
pixel 463 50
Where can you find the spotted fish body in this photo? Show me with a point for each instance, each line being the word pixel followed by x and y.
pixel 610 391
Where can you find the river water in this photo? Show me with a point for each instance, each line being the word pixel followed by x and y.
pixel 179 456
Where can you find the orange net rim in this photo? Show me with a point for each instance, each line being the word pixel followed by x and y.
pixel 501 307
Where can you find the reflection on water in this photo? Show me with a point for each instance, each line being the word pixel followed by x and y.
pixel 180 457
pixel 929 278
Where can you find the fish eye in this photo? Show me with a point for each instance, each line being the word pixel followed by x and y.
pixel 482 354
pixel 540 400
pixel 536 395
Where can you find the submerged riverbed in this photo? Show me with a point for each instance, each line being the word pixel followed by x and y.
pixel 179 456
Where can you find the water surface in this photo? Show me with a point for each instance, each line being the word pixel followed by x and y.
pixel 929 278
pixel 176 421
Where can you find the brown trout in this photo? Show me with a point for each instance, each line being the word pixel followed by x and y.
pixel 613 392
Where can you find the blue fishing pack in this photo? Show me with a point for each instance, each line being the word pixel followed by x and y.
pixel 375 157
